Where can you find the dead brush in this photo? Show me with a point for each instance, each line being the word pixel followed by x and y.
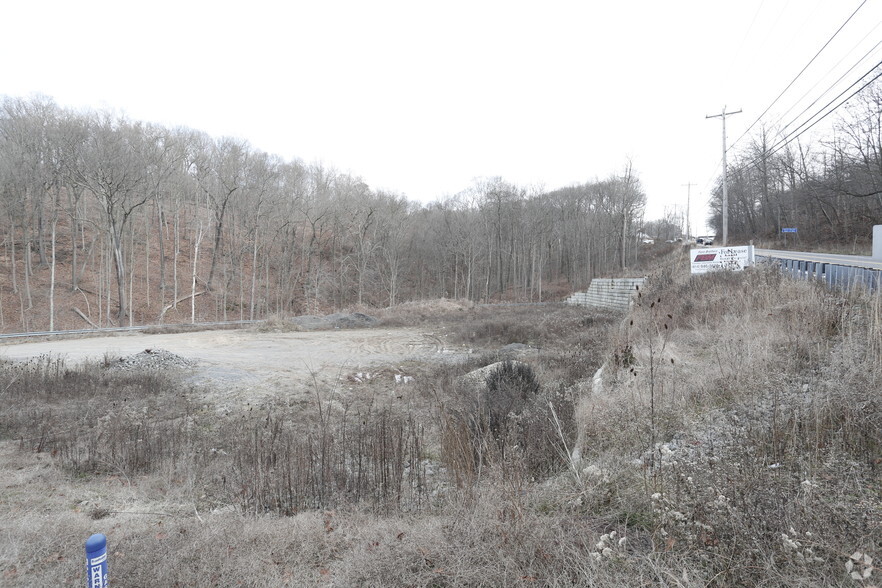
pixel 277 324
pixel 507 421
pixel 427 311
pixel 124 446
pixel 768 426
pixel 46 398
pixel 764 470
pixel 365 459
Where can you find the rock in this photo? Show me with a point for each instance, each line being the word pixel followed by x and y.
pixel 477 379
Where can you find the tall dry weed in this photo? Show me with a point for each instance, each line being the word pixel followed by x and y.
pixel 758 396
pixel 751 459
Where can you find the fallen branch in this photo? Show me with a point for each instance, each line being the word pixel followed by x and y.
pixel 175 303
pixel 85 318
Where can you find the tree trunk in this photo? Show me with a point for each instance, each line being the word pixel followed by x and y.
pixel 27 274
pixel 193 277
pixel 52 280
pixel 253 279
pixel 74 226
pixel 12 255
pixel 177 250
pixel 120 263
pixel 161 221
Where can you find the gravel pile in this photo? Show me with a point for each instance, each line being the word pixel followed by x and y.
pixel 354 320
pixel 152 359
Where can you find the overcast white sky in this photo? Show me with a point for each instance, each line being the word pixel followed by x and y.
pixel 419 98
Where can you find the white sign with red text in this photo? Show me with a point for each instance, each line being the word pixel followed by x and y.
pixel 721 258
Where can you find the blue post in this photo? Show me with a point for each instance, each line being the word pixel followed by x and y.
pixel 96 561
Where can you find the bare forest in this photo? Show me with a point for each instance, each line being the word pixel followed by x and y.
pixel 108 221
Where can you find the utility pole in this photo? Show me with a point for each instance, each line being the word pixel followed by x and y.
pixel 688 198
pixel 725 176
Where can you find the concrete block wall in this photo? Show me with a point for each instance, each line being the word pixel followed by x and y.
pixel 613 293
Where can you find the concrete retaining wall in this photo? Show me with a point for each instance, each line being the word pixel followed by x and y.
pixel 613 293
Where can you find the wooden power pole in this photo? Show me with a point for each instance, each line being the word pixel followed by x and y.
pixel 725 176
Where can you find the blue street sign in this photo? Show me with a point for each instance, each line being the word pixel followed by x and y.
pixel 96 561
pixel 790 230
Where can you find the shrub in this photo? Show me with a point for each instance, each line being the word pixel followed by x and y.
pixel 506 393
pixel 507 421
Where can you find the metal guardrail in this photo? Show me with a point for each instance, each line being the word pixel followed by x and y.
pixel 833 274
pixel 124 329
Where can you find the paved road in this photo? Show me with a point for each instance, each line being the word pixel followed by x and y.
pixel 850 260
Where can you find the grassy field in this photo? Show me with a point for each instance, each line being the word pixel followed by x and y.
pixel 726 432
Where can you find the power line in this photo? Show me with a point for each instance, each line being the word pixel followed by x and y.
pixel 776 148
pixel 746 34
pixel 786 140
pixel 812 60
pixel 834 84
pixel 797 132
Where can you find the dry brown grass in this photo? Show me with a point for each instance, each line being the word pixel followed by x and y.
pixel 752 425
pixel 732 439
pixel 426 311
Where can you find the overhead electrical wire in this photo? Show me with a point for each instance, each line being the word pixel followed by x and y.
pixel 787 139
pixel 818 99
pixel 713 175
pixel 830 71
pixel 812 60
pixel 746 34
pixel 798 131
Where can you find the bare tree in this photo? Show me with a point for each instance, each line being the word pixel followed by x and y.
pixel 221 170
pixel 394 223
pixel 111 165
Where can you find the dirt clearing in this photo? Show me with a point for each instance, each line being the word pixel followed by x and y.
pixel 246 365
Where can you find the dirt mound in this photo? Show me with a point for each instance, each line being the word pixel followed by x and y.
pixel 410 313
pixel 339 320
pixel 437 306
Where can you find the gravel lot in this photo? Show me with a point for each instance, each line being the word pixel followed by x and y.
pixel 243 364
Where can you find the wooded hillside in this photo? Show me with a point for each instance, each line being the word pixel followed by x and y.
pixel 109 221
